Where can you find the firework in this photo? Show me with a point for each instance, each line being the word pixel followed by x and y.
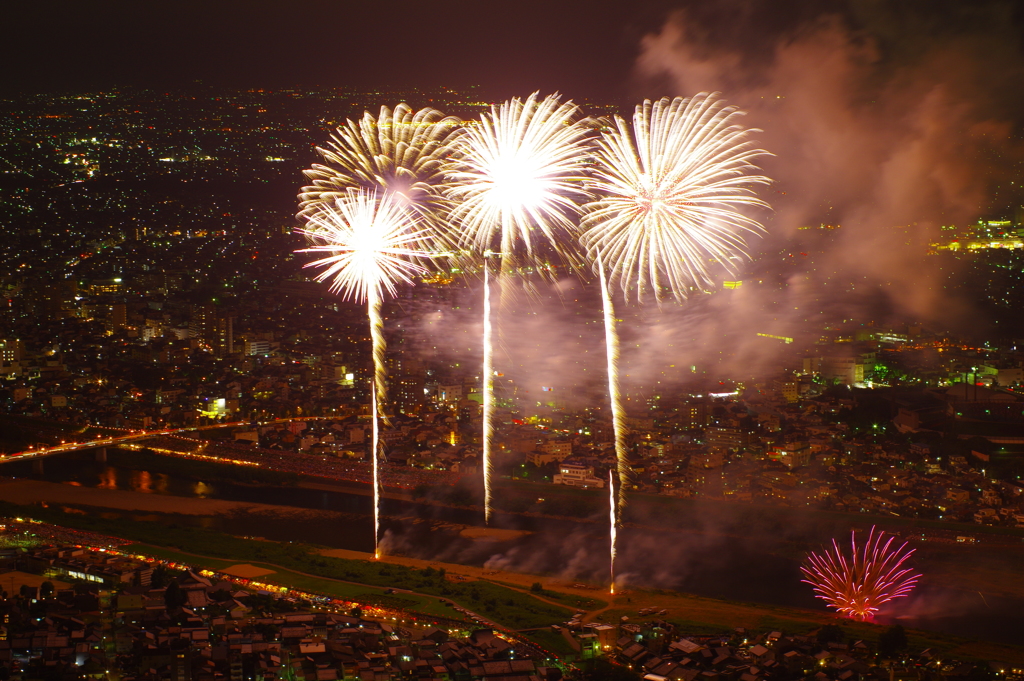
pixel 514 178
pixel 399 152
pixel 369 243
pixel 856 584
pixel 612 525
pixel 668 193
pixel 488 393
pixel 611 338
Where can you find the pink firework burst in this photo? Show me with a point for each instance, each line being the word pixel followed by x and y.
pixel 858 582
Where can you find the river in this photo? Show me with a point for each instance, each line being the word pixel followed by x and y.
pixel 705 554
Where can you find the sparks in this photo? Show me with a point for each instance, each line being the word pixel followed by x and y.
pixel 858 583
pixel 488 396
pixel 611 338
pixel 520 170
pixel 375 467
pixel 400 152
pixel 517 172
pixel 669 193
pixel 612 521
pixel 370 243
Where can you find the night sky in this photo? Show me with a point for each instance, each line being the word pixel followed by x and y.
pixel 585 49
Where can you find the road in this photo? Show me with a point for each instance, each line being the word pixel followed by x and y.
pixel 133 435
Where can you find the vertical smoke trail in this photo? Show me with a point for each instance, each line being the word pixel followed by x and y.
pixel 376 475
pixel 611 526
pixel 380 371
pixel 611 340
pixel 377 396
pixel 488 390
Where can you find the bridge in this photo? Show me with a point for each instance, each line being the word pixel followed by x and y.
pixel 100 445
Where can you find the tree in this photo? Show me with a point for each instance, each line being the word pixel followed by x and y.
pixel 160 576
pixel 892 640
pixel 174 597
pixel 537 587
pixel 46 589
pixel 830 633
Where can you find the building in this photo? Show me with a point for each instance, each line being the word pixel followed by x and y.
pixel 577 475
pixel 213 327
pixel 11 351
pixel 792 454
pixel 116 317
pixel 732 439
pixel 550 452
pixel 693 413
pixel 256 347
pixel 410 384
pixel 788 389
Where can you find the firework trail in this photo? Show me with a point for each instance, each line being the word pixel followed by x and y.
pixel 612 525
pixel 368 243
pixel 618 412
pixel 375 467
pixel 513 179
pixel 488 388
pixel 668 193
pixel 858 583
pixel 400 152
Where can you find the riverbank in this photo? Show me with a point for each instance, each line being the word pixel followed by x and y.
pixel 691 614
pixel 505 595
pixel 25 492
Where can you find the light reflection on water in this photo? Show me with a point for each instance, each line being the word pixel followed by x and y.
pixel 108 478
pixel 142 481
pixel 341 519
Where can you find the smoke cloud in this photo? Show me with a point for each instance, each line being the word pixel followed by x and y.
pixel 884 125
pixel 887 124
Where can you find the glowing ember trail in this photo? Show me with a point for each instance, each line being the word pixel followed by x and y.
pixel 612 505
pixel 488 388
pixel 369 243
pixel 513 178
pixel 376 471
pixel 858 583
pixel 611 339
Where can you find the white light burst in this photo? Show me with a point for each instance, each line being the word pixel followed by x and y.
pixel 368 242
pixel 400 152
pixel 516 175
pixel 669 193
